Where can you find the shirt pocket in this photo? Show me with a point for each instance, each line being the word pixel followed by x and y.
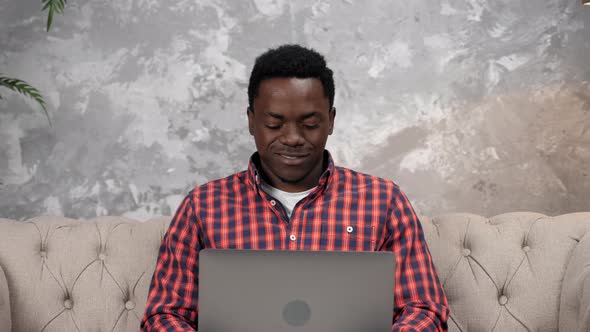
pixel 356 237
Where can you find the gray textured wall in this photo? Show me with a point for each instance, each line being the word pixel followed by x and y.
pixel 470 105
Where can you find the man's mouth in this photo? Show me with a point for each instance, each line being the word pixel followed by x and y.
pixel 291 158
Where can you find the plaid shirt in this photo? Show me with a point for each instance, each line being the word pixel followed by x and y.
pixel 235 213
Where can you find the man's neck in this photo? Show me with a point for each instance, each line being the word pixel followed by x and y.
pixel 310 182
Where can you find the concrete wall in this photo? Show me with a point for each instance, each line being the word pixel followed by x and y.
pixel 470 105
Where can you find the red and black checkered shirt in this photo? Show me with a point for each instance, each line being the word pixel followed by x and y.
pixel 235 213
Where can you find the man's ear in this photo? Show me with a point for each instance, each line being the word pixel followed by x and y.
pixel 332 116
pixel 250 113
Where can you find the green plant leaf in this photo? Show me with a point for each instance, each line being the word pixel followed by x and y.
pixel 53 7
pixel 25 89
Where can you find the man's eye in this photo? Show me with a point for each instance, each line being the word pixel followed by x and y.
pixel 311 125
pixel 273 126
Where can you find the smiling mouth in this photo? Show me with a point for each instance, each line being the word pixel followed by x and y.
pixel 292 158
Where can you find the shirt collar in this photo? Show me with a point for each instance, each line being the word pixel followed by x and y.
pixel 254 178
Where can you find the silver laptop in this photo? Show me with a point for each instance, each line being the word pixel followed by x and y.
pixel 299 291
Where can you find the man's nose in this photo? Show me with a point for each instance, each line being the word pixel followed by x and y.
pixel 292 135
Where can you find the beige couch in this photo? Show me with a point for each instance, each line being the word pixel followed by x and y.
pixel 513 272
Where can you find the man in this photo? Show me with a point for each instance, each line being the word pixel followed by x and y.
pixel 292 197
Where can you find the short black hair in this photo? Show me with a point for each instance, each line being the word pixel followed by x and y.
pixel 290 61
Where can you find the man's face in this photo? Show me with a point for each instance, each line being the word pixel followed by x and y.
pixel 290 121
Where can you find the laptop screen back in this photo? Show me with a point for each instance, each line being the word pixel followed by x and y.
pixel 260 291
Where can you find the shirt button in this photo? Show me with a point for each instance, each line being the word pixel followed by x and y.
pixel 273 202
pixel 293 237
pixel 349 229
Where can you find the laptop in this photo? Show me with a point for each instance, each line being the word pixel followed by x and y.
pixel 298 291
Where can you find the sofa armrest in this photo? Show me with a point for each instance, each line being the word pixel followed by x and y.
pixel 574 312
pixel 5 320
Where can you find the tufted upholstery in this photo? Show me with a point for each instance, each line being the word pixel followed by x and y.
pixel 575 295
pixel 4 303
pixel 68 275
pixel 505 273
pixel 513 272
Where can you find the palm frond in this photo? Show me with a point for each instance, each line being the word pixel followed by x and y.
pixel 53 7
pixel 25 89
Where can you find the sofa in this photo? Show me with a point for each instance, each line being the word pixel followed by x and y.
pixel 512 272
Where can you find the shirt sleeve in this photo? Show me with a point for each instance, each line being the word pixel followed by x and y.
pixel 173 296
pixel 420 301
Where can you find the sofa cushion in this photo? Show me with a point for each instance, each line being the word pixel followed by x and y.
pixel 5 324
pixel 574 312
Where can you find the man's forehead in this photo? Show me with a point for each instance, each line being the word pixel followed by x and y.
pixel 295 82
pixel 291 87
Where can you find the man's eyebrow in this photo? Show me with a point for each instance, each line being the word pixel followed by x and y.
pixel 275 115
pixel 281 117
pixel 310 115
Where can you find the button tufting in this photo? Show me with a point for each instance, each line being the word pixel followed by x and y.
pixel 43 253
pixel 503 300
pixel 102 256
pixel 130 305
pixel 526 248
pixel 68 304
pixel 466 252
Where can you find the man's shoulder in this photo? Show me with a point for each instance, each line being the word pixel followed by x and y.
pixel 231 183
pixel 363 180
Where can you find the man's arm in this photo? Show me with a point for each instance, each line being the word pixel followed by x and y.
pixel 420 301
pixel 173 296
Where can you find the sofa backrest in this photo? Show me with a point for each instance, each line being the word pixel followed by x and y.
pixel 5 322
pixel 505 273
pixel 574 311
pixel 71 275
pixel 500 274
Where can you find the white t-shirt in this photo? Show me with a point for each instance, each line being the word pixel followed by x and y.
pixel 288 200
